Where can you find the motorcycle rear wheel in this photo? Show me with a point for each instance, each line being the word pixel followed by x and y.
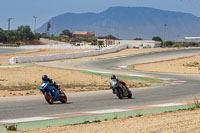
pixel 63 97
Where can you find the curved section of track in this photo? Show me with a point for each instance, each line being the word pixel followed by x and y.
pixel 13 50
pixel 32 106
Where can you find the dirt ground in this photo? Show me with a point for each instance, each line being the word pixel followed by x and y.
pixel 4 59
pixel 187 65
pixel 171 122
pixel 25 80
pixel 20 81
pixel 122 53
pixel 179 122
pixel 28 78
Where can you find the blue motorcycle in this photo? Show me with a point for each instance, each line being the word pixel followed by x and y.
pixel 52 94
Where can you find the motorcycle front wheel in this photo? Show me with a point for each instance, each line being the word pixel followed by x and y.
pixel 48 97
pixel 119 94
pixel 129 94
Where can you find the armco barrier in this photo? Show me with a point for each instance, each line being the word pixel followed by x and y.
pixel 43 58
pixel 58 46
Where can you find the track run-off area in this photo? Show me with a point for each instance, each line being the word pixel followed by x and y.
pixel 181 88
pixel 4 51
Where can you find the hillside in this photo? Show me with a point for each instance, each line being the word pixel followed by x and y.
pixel 128 23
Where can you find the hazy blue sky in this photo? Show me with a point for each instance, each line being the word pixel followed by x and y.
pixel 22 11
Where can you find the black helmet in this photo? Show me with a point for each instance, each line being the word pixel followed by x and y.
pixel 113 77
pixel 44 77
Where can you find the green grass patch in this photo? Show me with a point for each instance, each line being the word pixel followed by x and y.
pixel 192 64
pixel 13 65
pixel 196 102
pixel 149 81
pixel 139 115
pixel 129 68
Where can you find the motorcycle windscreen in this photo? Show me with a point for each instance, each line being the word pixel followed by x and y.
pixel 113 83
pixel 43 86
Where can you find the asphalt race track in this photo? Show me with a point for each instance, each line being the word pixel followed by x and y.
pixel 32 106
pixel 13 50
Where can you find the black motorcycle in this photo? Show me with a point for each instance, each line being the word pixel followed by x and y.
pixel 119 89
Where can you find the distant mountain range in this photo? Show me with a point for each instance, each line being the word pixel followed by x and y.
pixel 128 23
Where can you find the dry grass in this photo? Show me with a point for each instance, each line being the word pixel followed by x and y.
pixel 26 80
pixel 27 75
pixel 4 59
pixel 187 65
pixel 171 122
pixel 125 52
pixel 179 122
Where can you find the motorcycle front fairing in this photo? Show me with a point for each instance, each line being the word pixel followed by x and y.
pixel 114 85
pixel 46 86
pixel 43 87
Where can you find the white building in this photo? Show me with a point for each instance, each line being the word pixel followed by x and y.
pixel 196 39
pixel 135 43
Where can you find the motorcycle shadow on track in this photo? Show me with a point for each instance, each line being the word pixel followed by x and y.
pixel 125 98
pixel 58 103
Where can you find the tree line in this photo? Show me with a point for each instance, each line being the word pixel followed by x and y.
pixel 24 33
pixel 21 33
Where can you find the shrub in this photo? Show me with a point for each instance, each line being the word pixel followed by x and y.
pixel 18 44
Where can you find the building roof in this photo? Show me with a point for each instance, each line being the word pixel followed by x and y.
pixel 91 33
pixel 80 33
pixel 192 38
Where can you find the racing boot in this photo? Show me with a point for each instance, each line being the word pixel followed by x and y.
pixel 114 91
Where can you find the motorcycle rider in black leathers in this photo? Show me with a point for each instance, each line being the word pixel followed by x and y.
pixel 120 81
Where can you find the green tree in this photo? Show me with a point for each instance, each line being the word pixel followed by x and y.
pixel 22 33
pixel 108 37
pixel 94 42
pixel 138 38
pixel 44 35
pixel 53 37
pixel 25 33
pixel 37 36
pixel 2 35
pixel 67 33
pixel 157 38
pixel 169 43
pixel 76 39
pixel 12 35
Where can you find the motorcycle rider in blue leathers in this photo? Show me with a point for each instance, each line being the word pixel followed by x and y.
pixel 50 81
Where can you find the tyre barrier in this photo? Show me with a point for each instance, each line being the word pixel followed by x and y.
pixel 43 58
pixel 58 46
